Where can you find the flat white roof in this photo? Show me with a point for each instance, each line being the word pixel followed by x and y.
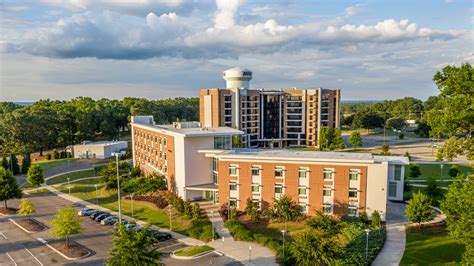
pixel 295 155
pixel 193 132
pixel 101 143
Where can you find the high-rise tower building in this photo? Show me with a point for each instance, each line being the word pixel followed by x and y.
pixel 269 118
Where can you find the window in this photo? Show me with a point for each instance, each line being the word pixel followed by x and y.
pixel 354 175
pixel 256 202
pixel 392 189
pixel 255 188
pixel 278 189
pixel 303 173
pixel 352 211
pixel 327 173
pixel 398 173
pixel 327 209
pixel 233 186
pixel 223 143
pixel 352 193
pixel 232 169
pixel 215 164
pixel 215 178
pixel 255 171
pixel 302 207
pixel 327 192
pixel 233 203
pixel 302 191
pixel 279 171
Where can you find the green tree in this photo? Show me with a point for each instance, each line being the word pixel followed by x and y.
pixel 324 141
pixel 451 149
pixel 65 223
pixel 25 164
pixel 433 190
pixel 355 139
pixel 414 171
pixel 375 222
pixel 35 175
pixel 312 248
pixel 369 119
pixel 5 163
pixel 109 173
pixel 26 207
pixel 396 123
pixel 458 207
pixel 337 143
pixel 14 164
pixel 8 187
pixel 422 130
pixel 453 171
pixel 285 209
pixel 252 210
pixel 133 248
pixel 418 209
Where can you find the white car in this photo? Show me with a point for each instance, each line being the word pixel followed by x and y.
pixel 85 212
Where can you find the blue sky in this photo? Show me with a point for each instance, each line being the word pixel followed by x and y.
pixel 158 49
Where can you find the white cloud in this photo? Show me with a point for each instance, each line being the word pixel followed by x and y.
pixel 354 10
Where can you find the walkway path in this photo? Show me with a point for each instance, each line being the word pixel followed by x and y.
pixel 238 250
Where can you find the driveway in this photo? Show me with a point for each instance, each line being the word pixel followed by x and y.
pixel 394 247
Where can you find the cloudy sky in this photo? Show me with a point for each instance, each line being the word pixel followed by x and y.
pixel 158 49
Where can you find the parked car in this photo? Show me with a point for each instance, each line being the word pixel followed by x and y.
pixel 160 236
pixel 130 226
pixel 109 220
pixel 85 212
pixel 95 214
pixel 102 217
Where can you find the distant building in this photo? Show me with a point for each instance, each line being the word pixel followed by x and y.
pixel 98 150
pixel 269 118
pixel 199 163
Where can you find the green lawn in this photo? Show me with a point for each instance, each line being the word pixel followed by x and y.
pixel 144 211
pixel 72 176
pixel 431 246
pixel 38 191
pixel 434 170
pixel 54 164
pixel 193 251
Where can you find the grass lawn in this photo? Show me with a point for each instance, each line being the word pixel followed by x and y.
pixel 54 164
pixel 193 251
pixel 432 245
pixel 38 191
pixel 144 211
pixel 72 176
pixel 434 170
pixel 273 229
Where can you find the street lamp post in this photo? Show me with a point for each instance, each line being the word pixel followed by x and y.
pixel 69 187
pixel 117 154
pixel 250 253
pixel 96 194
pixel 68 182
pixel 283 232
pixel 367 231
pixel 441 173
pixel 171 224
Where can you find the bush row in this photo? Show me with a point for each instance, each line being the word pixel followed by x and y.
pixel 58 155
pixel 240 232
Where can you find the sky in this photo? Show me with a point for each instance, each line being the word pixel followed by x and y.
pixel 371 50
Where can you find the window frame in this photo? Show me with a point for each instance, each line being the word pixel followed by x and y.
pixel 233 184
pixel 353 191
pixel 354 171
pixel 235 167
pixel 325 206
pixel 305 191
pixel 304 170
pixel 280 186
pixel 257 186
pixel 327 189
pixel 280 169
pixel 330 171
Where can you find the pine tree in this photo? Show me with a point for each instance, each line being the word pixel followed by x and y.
pixel 8 187
pixel 418 209
pixel 375 219
pixel 35 175
pixel 337 143
pixel 26 207
pixel 14 164
pixel 25 164
pixel 355 139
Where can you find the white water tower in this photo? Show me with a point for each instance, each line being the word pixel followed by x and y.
pixel 237 78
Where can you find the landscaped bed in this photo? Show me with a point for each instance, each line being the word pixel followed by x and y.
pixel 8 211
pixel 193 251
pixel 430 245
pixel 31 225
pixel 74 251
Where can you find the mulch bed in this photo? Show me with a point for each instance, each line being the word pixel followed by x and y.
pixel 75 250
pixel 8 211
pixel 31 225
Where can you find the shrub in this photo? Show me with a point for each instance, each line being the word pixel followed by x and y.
pixel 25 164
pixel 414 171
pixel 49 156
pixel 453 171
pixel 385 148
pixel 285 209
pixel 196 211
pixel 201 229
pixel 68 154
pixel 135 171
pixel 407 154
pixel 375 219
pixel 354 251
pixel 252 210
pixel 56 154
pixel 401 136
pixel 158 200
pixel 238 230
pixel 363 217
pixel 63 155
pixel 188 210
pixel 323 222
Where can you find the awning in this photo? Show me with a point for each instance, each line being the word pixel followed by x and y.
pixel 203 187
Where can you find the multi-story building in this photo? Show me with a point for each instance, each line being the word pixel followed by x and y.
pixel 269 118
pixel 199 163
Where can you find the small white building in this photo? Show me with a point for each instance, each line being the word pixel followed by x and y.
pixel 99 149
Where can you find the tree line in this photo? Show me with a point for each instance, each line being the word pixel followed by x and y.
pixel 47 123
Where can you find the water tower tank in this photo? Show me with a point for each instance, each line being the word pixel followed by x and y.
pixel 237 77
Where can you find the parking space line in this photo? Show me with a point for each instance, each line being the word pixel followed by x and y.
pixel 34 257
pixel 11 258
pixel 1 233
pixel 170 246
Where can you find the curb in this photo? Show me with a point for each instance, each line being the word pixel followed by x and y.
pixel 66 257
pixel 21 227
pixel 173 255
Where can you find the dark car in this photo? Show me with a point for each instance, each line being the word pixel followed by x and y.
pixel 102 217
pixel 117 224
pixel 95 214
pixel 161 236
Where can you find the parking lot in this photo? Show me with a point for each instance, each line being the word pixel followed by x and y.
pixel 20 248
